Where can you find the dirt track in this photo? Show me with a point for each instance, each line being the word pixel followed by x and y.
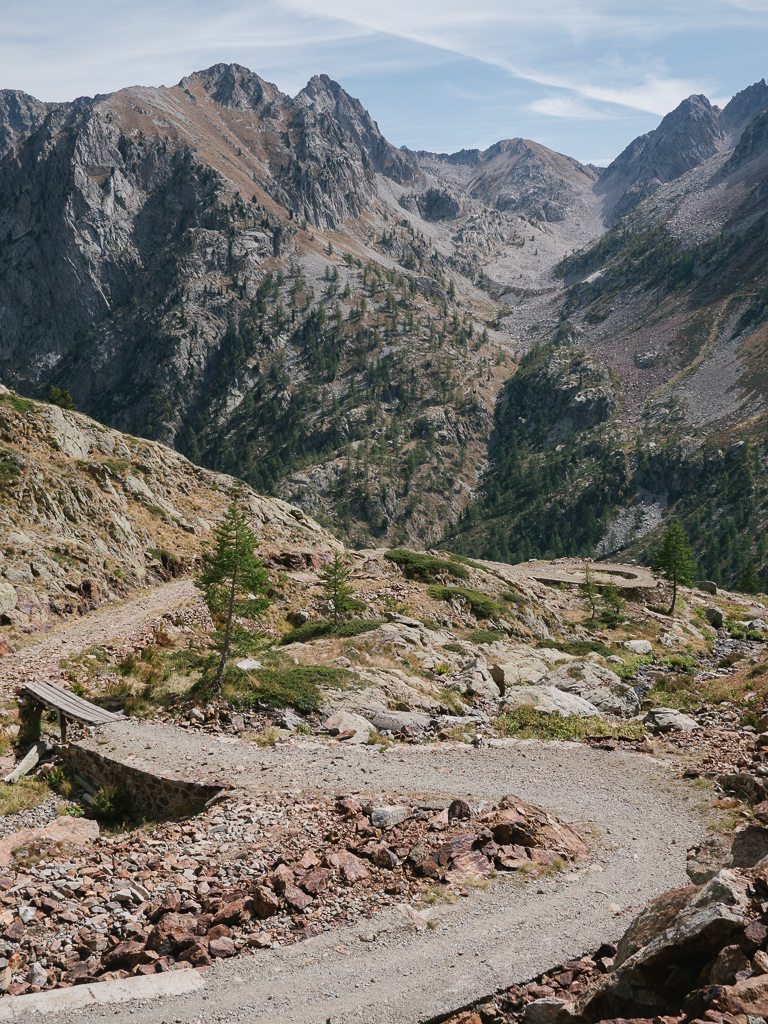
pixel 642 821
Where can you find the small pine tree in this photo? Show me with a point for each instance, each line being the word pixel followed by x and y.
pixel 60 397
pixel 588 590
pixel 674 560
pixel 749 583
pixel 234 583
pixel 336 586
pixel 612 604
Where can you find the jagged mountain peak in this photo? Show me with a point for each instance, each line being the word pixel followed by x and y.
pixel 233 86
pixel 743 108
pixel 20 114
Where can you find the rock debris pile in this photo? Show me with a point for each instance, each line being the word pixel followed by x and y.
pixel 694 954
pixel 251 873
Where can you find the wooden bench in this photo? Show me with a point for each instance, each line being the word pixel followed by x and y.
pixel 66 704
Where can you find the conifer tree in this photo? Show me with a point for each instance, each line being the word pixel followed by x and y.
pixel 749 583
pixel 588 590
pixel 234 583
pixel 336 587
pixel 674 560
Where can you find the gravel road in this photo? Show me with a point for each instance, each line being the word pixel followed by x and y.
pixel 642 818
pixel 40 658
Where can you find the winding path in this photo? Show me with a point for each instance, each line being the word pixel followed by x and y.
pixel 641 817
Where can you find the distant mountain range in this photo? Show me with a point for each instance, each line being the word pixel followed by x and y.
pixel 382 335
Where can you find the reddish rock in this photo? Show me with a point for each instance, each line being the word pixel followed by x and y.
pixel 14 932
pixel 350 867
pixel 233 913
pixel 125 956
pixel 539 856
pixel 170 903
pixel 221 947
pixel 217 932
pixel 265 903
pixel 316 881
pixel 196 955
pixel 348 805
pixel 459 809
pixel 295 897
pixel 383 857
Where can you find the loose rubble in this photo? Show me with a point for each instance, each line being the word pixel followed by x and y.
pixel 251 873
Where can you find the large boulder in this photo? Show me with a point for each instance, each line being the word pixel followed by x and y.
pixel 596 684
pixel 550 699
pixel 714 617
pixel 353 728
pixel 521 668
pixel 398 721
pixel 639 646
pixel 661 720
pixel 475 679
pixel 661 957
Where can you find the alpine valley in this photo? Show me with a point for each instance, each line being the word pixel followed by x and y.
pixel 506 352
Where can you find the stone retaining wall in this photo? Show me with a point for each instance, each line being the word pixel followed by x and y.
pixel 154 796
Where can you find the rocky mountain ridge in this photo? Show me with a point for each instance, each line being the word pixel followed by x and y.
pixel 268 285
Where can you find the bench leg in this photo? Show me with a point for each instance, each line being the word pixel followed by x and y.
pixel 63 727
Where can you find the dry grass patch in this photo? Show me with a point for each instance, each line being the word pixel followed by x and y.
pixel 24 795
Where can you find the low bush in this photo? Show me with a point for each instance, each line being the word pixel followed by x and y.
pixel 467 561
pixel 110 805
pixel 485 636
pixel 296 686
pixel 512 597
pixel 162 555
pixel 482 606
pixel 314 630
pixel 425 568
pixel 530 723
pixel 578 648
pixel 683 662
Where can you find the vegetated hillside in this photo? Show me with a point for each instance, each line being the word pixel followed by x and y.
pixel 88 513
pixel 650 399
pixel 266 284
pixel 162 259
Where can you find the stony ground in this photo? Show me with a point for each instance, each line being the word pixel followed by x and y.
pixel 641 821
pixel 399 949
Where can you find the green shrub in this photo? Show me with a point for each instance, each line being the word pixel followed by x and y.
pixel 529 723
pixel 296 686
pixel 467 561
pixel 162 555
pixel 628 670
pixel 485 636
pixel 482 606
pixel 456 648
pixel 426 568
pixel 755 634
pixel 512 597
pixel 314 630
pixel 18 403
pixel 110 805
pixel 683 662
pixel 579 648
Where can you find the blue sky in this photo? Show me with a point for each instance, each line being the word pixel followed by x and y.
pixel 582 78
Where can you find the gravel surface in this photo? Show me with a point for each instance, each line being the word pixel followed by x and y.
pixel 40 659
pixel 643 820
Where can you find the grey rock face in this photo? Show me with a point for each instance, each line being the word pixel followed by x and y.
pixel 661 720
pixel 601 687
